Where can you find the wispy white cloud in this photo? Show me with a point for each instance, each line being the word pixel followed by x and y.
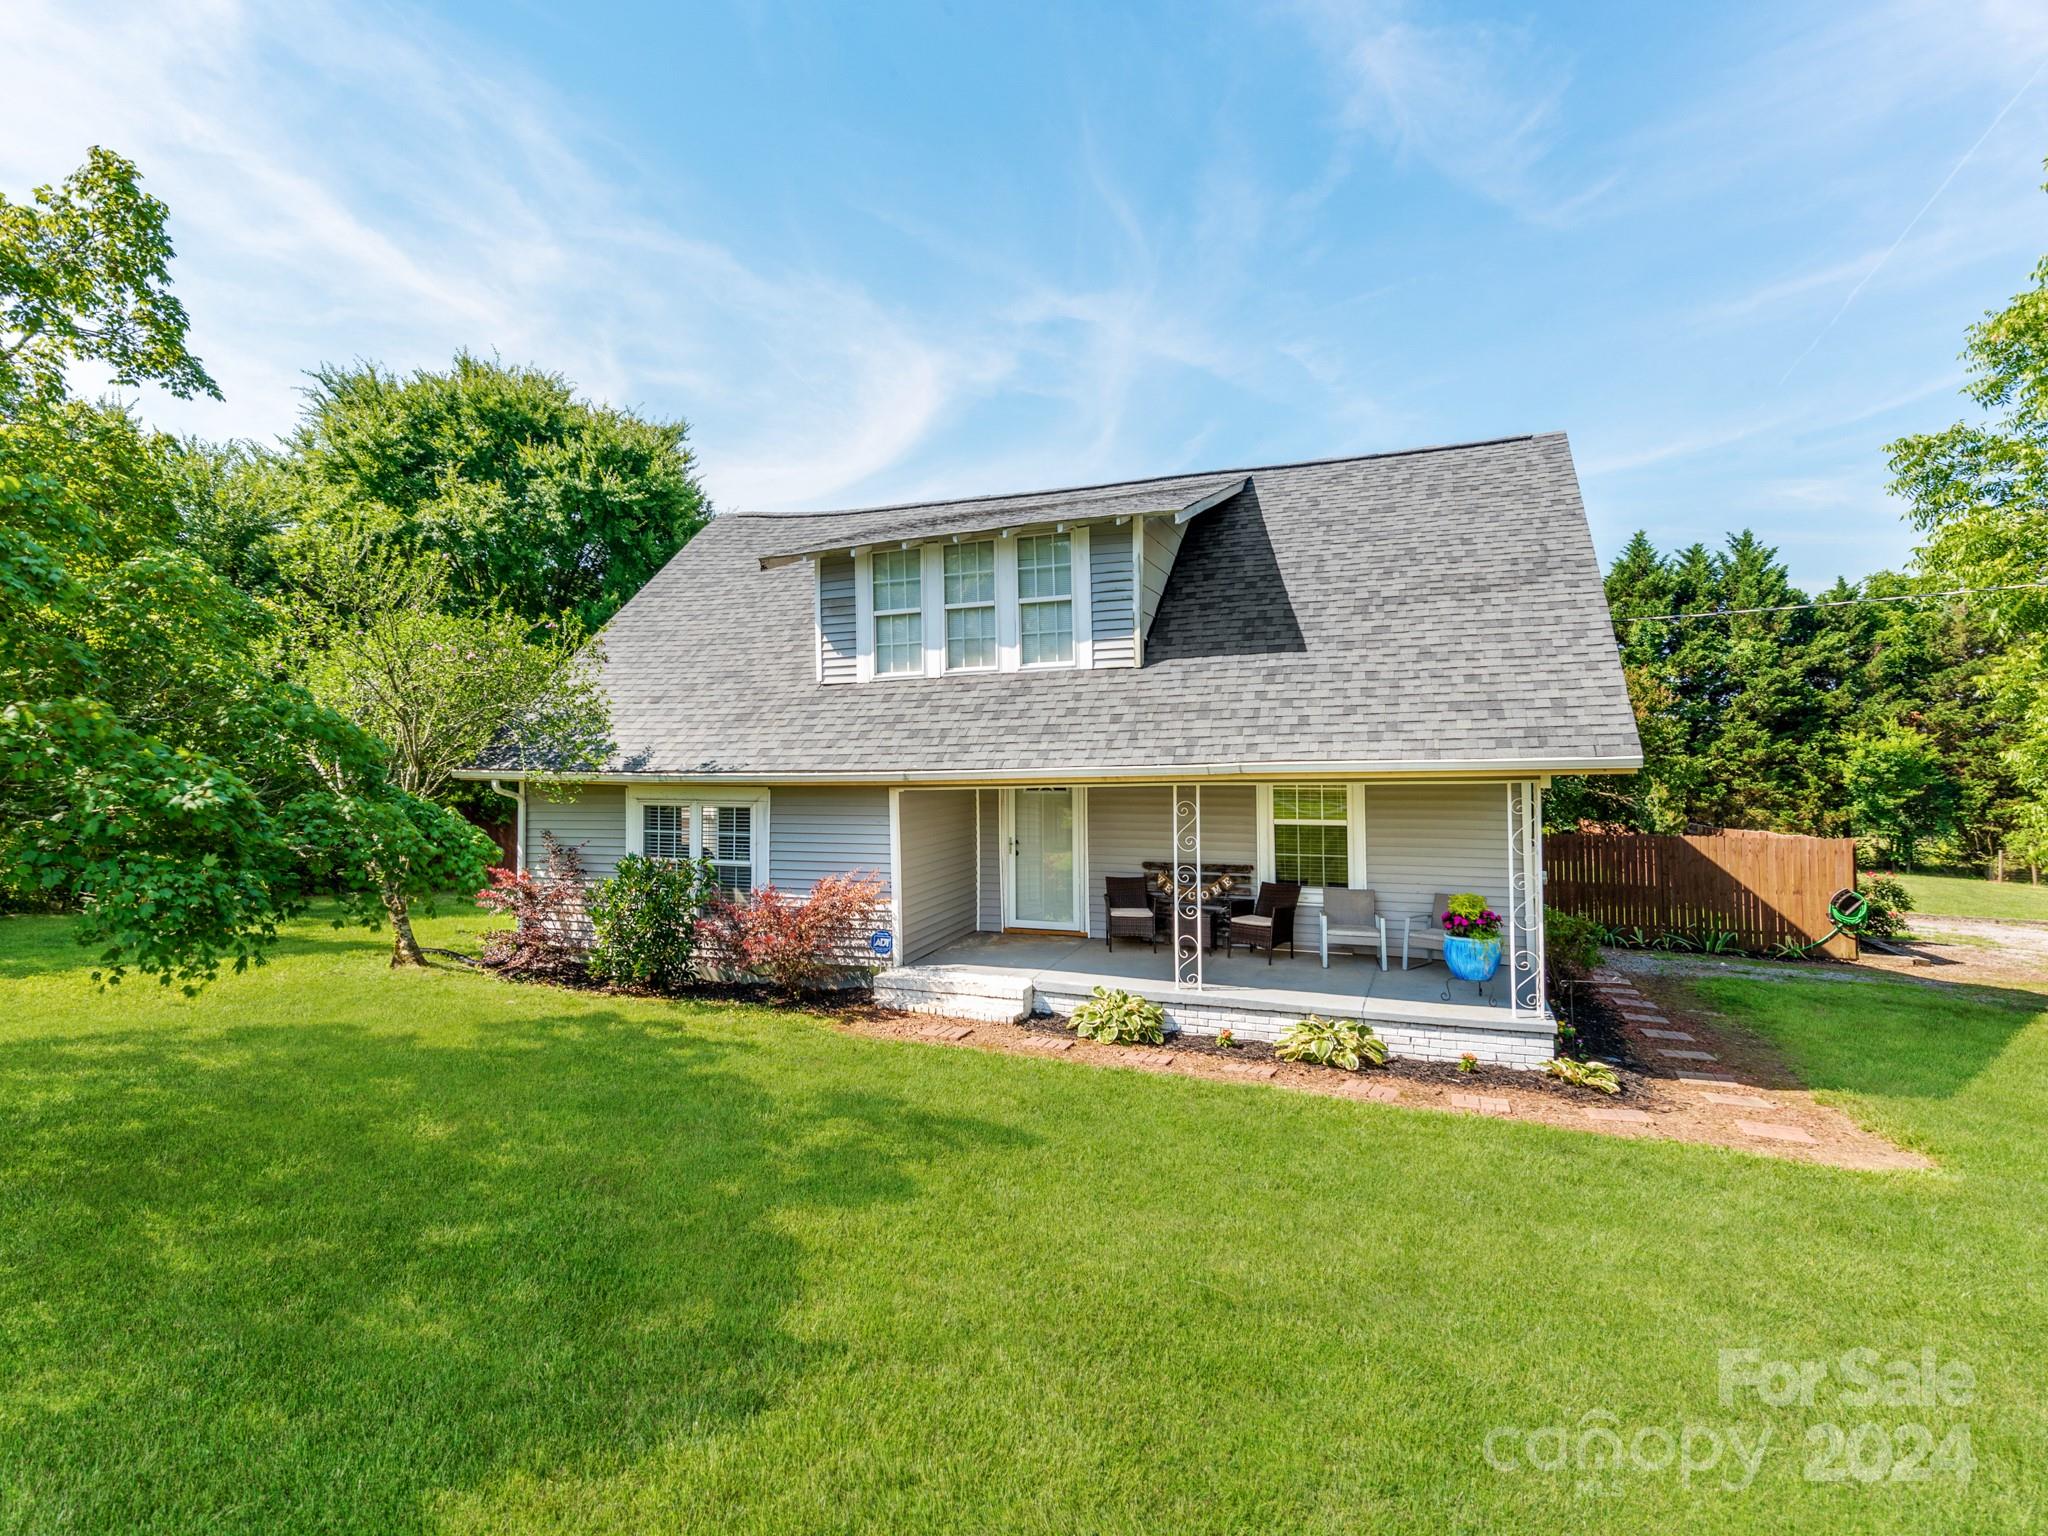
pixel 416 204
pixel 1479 103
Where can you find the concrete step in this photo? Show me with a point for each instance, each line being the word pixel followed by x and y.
pixel 956 991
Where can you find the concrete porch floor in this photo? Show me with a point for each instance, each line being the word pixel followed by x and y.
pixel 1353 987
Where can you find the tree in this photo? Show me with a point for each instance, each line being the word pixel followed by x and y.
pixel 2027 844
pixel 375 643
pixel 156 773
pixel 1896 787
pixel 85 276
pixel 1978 492
pixel 541 503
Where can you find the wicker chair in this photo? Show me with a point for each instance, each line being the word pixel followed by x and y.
pixel 1270 923
pixel 1127 903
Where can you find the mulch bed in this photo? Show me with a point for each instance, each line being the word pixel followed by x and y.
pixel 1656 1100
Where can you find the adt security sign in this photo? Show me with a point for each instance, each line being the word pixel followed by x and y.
pixel 882 941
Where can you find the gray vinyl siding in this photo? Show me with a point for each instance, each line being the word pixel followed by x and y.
pixel 1230 824
pixel 1126 828
pixel 813 833
pixel 991 872
pixel 935 840
pixel 1112 596
pixel 1162 543
pixel 1425 838
pixel 592 820
pixel 838 641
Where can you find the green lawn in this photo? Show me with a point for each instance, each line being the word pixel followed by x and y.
pixel 332 1248
pixel 1961 896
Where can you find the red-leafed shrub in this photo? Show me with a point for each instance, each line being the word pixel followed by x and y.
pixel 799 944
pixel 547 939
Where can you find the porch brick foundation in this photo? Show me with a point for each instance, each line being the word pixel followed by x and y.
pixel 956 992
pixel 1524 1049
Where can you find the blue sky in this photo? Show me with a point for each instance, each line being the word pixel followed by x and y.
pixel 883 251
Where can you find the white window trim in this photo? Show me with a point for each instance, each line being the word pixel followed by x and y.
pixel 923 610
pixel 697 800
pixel 994 605
pixel 1076 600
pixel 1354 832
pixel 933 608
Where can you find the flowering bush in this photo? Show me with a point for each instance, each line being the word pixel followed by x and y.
pixel 800 944
pixel 1467 916
pixel 546 939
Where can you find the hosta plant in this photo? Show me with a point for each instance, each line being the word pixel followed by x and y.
pixel 1587 1074
pixel 1117 1017
pixel 1332 1043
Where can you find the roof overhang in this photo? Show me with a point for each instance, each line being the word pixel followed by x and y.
pixel 1144 773
pixel 1011 524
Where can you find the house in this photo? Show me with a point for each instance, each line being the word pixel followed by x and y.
pixel 1357 672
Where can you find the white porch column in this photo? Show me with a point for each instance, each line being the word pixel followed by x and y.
pixel 1187 888
pixel 1525 899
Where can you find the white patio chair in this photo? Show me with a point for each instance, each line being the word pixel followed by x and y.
pixel 1351 917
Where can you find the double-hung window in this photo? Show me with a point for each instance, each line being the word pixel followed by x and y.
pixel 970 606
pixel 729 844
pixel 899 611
pixel 1311 834
pixel 665 831
pixel 1045 600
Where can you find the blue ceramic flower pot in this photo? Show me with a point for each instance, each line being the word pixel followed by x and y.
pixel 1472 959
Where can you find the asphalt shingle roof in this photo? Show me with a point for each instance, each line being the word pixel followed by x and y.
pixel 1441 606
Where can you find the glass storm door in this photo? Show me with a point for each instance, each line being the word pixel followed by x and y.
pixel 1042 844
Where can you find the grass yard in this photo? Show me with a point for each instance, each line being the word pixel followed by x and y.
pixel 1962 896
pixel 332 1248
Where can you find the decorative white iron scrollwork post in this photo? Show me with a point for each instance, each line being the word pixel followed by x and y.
pixel 1525 898
pixel 1187 888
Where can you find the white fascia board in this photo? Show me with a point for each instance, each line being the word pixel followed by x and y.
pixel 1461 768
pixel 1195 509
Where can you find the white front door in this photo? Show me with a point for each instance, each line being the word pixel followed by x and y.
pixel 1045 875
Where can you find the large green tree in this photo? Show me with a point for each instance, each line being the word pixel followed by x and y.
pixel 540 502
pixel 373 637
pixel 1978 493
pixel 157 773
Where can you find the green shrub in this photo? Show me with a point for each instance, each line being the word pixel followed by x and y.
pixel 645 919
pixel 1332 1043
pixel 1889 904
pixel 1587 1074
pixel 1120 1018
pixel 1571 944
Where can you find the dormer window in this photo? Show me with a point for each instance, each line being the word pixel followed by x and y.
pixel 970 572
pixel 1045 600
pixel 899 611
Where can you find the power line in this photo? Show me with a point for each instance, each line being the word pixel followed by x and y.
pixel 1845 602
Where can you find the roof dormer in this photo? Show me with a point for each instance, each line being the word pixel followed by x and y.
pixel 1062 580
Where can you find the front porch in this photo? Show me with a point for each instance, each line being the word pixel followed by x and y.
pixel 1000 901
pixel 1006 976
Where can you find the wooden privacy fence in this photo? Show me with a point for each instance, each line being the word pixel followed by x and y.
pixel 1765 887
